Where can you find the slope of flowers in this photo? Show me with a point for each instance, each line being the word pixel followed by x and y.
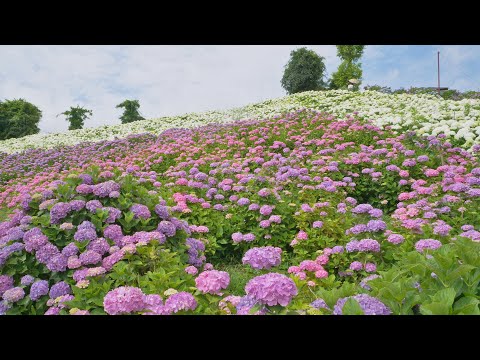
pixel 428 114
pixel 322 215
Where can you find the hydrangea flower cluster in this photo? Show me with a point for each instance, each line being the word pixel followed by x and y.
pixel 263 257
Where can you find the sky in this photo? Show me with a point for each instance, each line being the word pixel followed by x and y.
pixel 178 79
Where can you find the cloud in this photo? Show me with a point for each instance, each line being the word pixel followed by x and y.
pixel 171 80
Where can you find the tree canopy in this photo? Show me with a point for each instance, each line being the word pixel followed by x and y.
pixel 76 117
pixel 130 112
pixel 18 118
pixel 304 71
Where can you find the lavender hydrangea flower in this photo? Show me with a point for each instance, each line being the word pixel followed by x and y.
pixel 57 263
pixel 105 188
pixel 46 252
pixel 366 245
pixel 114 232
pixel 38 289
pixel 70 250
pixel 113 214
pixel 319 304
pixel 93 205
pixel 85 232
pixel 181 301
pixel 430 244
pixel 376 225
pixel 167 228
pixel 362 209
pixel 140 211
pixel 263 257
pixel 162 212
pixel 90 257
pixel 14 294
pixel 369 304
pixel 395 239
pixel 59 211
pixel 248 237
pixel 212 281
pixel 6 282
pixel 272 289
pixel 27 280
pixel 356 266
pixel 124 300
pixel 77 205
pixel 337 249
pixel 246 303
pixel 59 289
pixel 99 245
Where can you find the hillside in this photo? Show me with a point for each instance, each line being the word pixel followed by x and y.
pixel 459 120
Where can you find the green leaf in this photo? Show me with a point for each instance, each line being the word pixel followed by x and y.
pixel 467 305
pixel 352 307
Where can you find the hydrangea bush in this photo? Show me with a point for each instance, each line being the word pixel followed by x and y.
pixel 323 215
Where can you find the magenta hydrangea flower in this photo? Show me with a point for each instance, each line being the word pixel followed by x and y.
pixel 263 257
pixel 272 289
pixel 370 267
pixel 192 270
pixel 266 210
pixel 124 300
pixel 212 281
pixel 181 301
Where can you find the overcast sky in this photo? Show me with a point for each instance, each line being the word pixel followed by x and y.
pixel 172 80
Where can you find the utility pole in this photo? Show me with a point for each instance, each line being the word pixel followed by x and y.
pixel 438 65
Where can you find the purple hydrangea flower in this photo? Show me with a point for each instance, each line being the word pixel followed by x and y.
pixel 272 289
pixel 364 282
pixel 376 225
pixel 369 305
pixel 59 211
pixel 266 210
pixel 337 249
pixel 27 280
pixel 90 257
pixel 162 211
pixel 246 303
pixel 46 252
pixel 395 239
pixel 59 289
pixel 6 282
pixel 70 250
pixel 212 281
pixel 181 301
pixel 263 257
pixel 140 211
pixel 319 304
pixel 356 266
pixel 57 263
pixel 124 300
pixel 14 294
pixel 93 205
pixel 167 228
pixel 39 288
pixel 430 244
pixel 105 188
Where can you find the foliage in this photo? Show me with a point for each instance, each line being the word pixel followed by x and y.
pixel 76 117
pixel 18 118
pixel 130 113
pixel 303 72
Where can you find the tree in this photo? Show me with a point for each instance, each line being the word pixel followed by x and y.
pixel 346 70
pixel 130 113
pixel 18 118
pixel 304 71
pixel 350 52
pixel 349 68
pixel 76 116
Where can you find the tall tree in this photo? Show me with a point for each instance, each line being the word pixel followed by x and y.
pixel 349 68
pixel 18 118
pixel 130 112
pixel 304 71
pixel 76 116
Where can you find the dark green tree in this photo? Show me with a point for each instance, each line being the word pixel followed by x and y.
pixel 130 113
pixel 76 116
pixel 349 68
pixel 304 71
pixel 18 118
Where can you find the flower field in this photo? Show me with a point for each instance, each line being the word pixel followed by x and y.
pixel 298 213
pixel 429 115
